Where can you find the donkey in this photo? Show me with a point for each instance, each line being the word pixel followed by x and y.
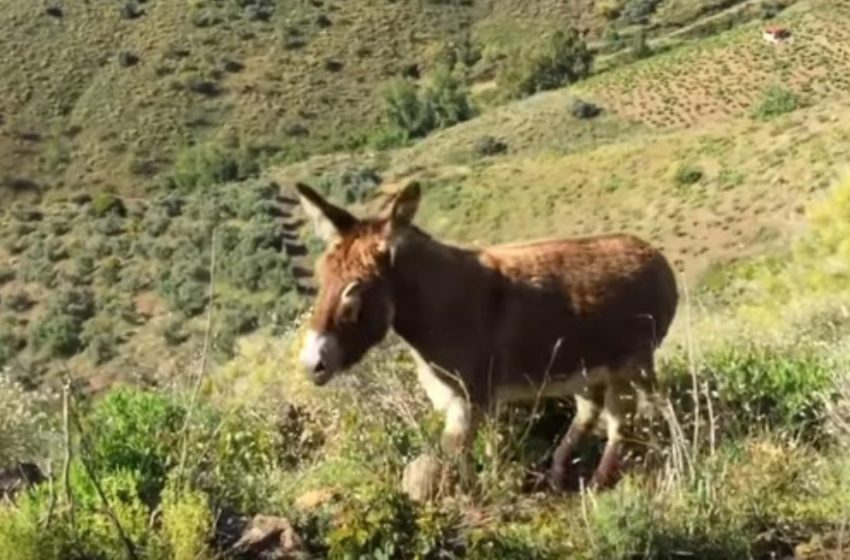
pixel 508 323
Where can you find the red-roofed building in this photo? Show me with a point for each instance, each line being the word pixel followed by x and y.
pixel 776 34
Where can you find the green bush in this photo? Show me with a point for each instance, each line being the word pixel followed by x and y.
pixel 24 423
pixel 687 174
pixel 187 521
pixel 100 339
pixel 444 102
pixel 137 431
pixel 758 386
pixel 560 60
pixel 776 101
pixel 105 204
pixel 58 335
pixel 185 284
pixel 19 301
pixel 637 12
pixel 352 186
pixel 206 165
pixel 378 522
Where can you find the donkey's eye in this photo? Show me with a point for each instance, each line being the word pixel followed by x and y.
pixel 350 303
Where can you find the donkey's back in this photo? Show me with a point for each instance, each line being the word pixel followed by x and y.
pixel 573 305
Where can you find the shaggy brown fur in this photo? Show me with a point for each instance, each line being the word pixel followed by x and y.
pixel 578 317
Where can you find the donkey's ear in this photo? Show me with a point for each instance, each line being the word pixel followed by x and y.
pixel 405 204
pixel 328 220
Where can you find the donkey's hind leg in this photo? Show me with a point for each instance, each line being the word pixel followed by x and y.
pixel 588 406
pixel 626 395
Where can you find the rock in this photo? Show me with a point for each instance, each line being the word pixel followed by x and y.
pixel 16 478
pixel 422 478
pixel 584 109
pixel 270 537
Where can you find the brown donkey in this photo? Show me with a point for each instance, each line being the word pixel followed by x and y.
pixel 578 317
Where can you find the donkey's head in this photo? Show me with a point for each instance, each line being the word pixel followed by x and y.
pixel 354 307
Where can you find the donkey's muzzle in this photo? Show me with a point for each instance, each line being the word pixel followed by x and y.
pixel 320 356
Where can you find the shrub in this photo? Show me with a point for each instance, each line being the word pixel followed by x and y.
pixel 174 332
pixel 185 283
pixel 443 103
pixel 7 274
pixel 136 431
pixel 760 386
pixel 560 60
pixel 687 174
pixel 19 302
pixel 23 423
pixel 11 343
pixel 55 250
pixel 776 101
pixel 381 522
pixel 100 339
pixel 208 164
pixel 637 12
pixel 130 9
pixel 448 99
pixel 490 146
pixel 584 109
pixel 58 335
pixel 187 522
pixel 59 331
pixel 352 186
pixel 405 111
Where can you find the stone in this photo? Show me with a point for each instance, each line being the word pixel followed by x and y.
pixel 422 478
pixel 272 537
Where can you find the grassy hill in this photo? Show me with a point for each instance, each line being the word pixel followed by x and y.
pixel 150 241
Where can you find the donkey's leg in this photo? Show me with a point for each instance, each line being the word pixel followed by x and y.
pixel 588 406
pixel 461 417
pixel 626 393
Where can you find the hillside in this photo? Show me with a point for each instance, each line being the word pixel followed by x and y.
pixel 156 268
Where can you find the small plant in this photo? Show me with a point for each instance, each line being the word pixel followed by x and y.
pixel 23 422
pixel 105 203
pixel 188 522
pixel 688 174
pixel 19 302
pixel 490 146
pixel 776 101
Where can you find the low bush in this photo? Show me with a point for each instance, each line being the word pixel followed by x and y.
pixel 687 174
pixel 7 274
pixel 206 165
pixel 25 426
pixel 776 101
pixel 490 146
pixel 756 387
pixel 11 342
pixel 559 60
pixel 416 111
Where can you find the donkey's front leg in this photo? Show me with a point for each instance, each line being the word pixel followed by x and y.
pixel 461 423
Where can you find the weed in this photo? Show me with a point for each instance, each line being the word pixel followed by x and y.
pixel 776 101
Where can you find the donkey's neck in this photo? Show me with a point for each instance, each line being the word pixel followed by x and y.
pixel 442 296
